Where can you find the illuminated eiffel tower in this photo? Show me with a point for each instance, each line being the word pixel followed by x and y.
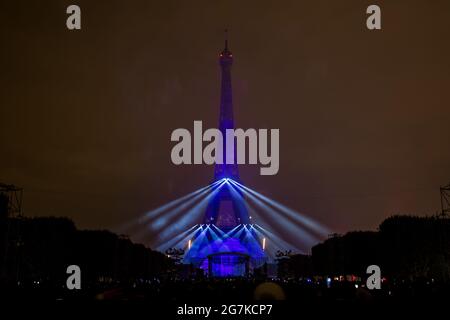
pixel 225 210
pixel 224 245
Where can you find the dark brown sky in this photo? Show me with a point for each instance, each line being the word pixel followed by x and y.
pixel 364 117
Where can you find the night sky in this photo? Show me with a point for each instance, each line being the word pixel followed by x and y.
pixel 364 116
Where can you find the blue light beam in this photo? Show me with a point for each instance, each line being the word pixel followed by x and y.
pixel 191 215
pixel 300 218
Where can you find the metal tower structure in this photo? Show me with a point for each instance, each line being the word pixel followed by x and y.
pixel 225 245
pixel 224 210
pixel 10 200
pixel 226 120
pixel 445 200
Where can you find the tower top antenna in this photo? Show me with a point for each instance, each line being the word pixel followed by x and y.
pixel 226 40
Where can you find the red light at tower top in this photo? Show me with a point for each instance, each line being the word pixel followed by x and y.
pixel 226 54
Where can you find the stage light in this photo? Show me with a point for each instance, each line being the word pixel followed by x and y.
pixel 164 220
pixel 173 242
pixel 238 233
pixel 156 212
pixel 213 234
pixel 208 238
pixel 197 243
pixel 194 212
pixel 223 234
pixel 275 217
pixel 302 219
pixel 160 210
pixel 276 240
pixel 232 231
pixel 190 216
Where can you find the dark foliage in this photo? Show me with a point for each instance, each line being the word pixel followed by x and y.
pixel 41 249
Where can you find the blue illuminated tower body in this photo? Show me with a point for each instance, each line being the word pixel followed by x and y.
pixel 225 245
pixel 226 120
pixel 226 210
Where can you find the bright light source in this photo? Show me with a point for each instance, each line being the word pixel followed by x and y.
pixel 264 244
pixel 189 244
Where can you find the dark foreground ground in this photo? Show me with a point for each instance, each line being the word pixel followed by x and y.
pixel 234 290
pixel 227 299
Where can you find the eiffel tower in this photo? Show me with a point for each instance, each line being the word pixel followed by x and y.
pixel 224 210
pixel 226 246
